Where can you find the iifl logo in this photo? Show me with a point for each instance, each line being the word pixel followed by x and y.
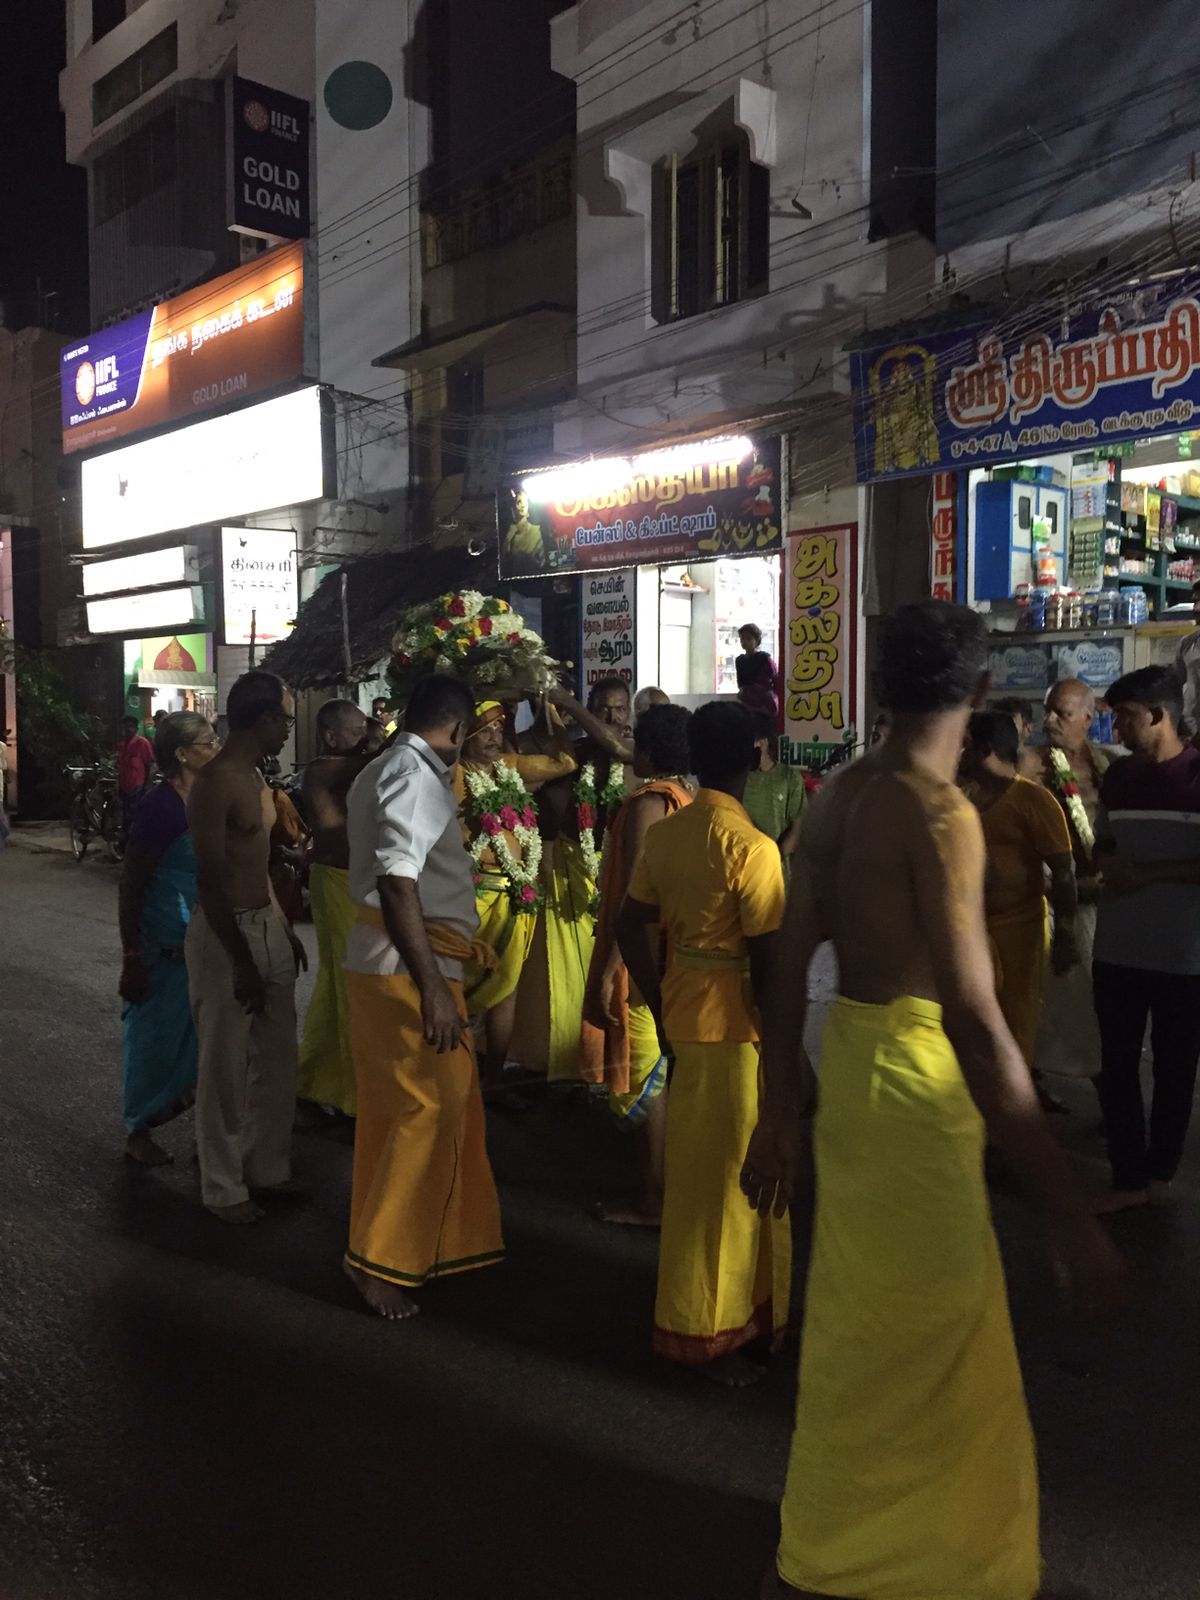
pixel 85 383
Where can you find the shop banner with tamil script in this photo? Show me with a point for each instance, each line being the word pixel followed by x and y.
pixel 1124 367
pixel 209 348
pixel 694 502
pixel 607 627
pixel 820 643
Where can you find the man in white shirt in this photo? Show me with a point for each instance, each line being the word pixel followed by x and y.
pixel 423 1203
pixel 1187 670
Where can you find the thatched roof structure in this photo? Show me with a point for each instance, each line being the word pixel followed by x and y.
pixel 378 590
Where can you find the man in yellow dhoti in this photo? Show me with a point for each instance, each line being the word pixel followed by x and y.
pixel 423 1202
pixel 326 1064
pixel 912 1472
pixel 715 883
pixel 493 788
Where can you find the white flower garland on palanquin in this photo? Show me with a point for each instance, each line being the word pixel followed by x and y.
pixel 504 805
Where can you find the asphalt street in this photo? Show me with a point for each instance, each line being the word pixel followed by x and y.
pixel 192 1411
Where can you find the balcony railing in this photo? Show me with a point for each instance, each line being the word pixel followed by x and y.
pixel 538 193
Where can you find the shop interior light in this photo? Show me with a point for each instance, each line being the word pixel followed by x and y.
pixel 585 480
pixel 147 613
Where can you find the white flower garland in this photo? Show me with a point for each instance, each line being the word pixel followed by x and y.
pixel 1075 808
pixel 494 790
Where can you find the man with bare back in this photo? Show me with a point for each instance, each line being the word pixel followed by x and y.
pixel 912 1471
pixel 242 960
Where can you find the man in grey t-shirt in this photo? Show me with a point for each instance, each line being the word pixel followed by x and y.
pixel 1146 959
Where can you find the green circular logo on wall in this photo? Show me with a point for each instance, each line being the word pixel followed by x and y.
pixel 358 95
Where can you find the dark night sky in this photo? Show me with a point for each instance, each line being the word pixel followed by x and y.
pixel 43 201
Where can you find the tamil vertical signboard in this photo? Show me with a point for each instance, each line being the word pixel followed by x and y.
pixel 239 335
pixel 820 642
pixel 608 627
pixel 268 176
pixel 258 584
pixel 943 536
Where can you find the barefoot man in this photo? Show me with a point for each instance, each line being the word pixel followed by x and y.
pixel 242 960
pixel 1070 766
pixel 715 883
pixel 423 1202
pixel 912 1470
pixel 326 1065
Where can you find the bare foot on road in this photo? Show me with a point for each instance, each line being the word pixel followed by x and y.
pixel 383 1298
pixel 626 1216
pixel 239 1215
pixel 732 1372
pixel 140 1147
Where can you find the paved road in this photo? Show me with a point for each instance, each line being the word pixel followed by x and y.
pixel 196 1412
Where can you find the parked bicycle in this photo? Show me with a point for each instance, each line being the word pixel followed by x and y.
pixel 96 810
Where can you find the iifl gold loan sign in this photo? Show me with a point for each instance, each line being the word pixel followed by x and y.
pixel 820 642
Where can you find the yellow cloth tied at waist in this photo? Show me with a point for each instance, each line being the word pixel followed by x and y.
pixel 702 960
pixel 444 941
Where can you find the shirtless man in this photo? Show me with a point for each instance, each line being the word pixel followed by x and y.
pixel 909 1377
pixel 1069 1038
pixel 242 960
pixel 326 1064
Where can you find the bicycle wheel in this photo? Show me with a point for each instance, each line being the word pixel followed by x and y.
pixel 81 833
pixel 112 826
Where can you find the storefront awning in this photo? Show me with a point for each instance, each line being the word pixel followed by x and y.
pixel 378 590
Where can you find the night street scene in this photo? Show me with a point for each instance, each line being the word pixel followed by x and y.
pixel 599 800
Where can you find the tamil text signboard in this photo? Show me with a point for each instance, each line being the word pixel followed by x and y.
pixel 607 625
pixel 269 174
pixel 213 346
pixel 943 536
pixel 258 584
pixel 820 642
pixel 1122 368
pixel 694 502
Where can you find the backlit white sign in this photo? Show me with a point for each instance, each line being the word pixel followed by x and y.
pixel 257 459
pixel 156 567
pixel 258 583
pixel 147 614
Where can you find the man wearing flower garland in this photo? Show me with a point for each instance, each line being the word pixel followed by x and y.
pixel 494 789
pixel 573 813
pixel 1070 766
pixel 423 1202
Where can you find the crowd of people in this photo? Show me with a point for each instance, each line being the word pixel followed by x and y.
pixel 627 895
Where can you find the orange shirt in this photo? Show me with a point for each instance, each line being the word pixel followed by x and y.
pixel 1022 830
pixel 717 881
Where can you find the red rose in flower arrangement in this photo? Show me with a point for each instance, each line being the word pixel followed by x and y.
pixel 509 818
pixel 586 816
pixel 457 607
pixel 403 659
pixel 443 625
pixel 485 625
pixel 528 894
pixel 489 824
pixel 1070 790
pixel 529 817
pixel 514 638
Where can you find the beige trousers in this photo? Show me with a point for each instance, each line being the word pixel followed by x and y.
pixel 246 1090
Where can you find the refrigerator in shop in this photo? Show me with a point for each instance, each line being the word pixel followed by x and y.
pixel 744 591
pixel 1028 664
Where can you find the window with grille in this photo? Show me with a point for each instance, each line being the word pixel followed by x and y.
pixel 711 229
pixel 134 169
pixel 135 76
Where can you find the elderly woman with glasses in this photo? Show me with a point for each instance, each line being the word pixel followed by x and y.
pixel 158 891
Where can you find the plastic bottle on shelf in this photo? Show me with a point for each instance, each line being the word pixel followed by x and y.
pixel 1107 605
pixel 1047 571
pixel 1036 614
pixel 1074 609
pixel 1021 596
pixel 1091 609
pixel 1135 608
pixel 1056 609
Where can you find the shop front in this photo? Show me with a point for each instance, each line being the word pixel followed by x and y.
pixel 663 557
pixel 1062 499
pixel 170 673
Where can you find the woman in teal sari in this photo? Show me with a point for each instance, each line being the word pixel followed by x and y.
pixel 158 891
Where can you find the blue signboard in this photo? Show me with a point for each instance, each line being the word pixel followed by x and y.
pixel 1125 367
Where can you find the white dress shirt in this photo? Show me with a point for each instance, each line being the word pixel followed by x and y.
pixel 402 822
